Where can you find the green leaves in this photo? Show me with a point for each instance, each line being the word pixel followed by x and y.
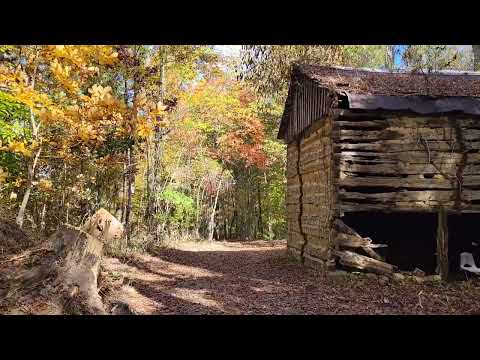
pixel 181 206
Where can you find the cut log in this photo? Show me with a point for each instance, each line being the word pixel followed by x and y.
pixel 372 253
pixel 352 241
pixel 344 228
pixel 361 262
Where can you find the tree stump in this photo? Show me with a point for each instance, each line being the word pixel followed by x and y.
pixel 78 257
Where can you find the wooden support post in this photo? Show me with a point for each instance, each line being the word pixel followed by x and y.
pixel 442 244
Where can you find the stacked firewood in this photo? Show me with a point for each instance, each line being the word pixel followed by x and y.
pixel 356 252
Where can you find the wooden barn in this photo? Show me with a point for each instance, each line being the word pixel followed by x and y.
pixel 383 168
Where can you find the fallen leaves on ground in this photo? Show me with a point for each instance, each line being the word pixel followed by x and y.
pixel 258 278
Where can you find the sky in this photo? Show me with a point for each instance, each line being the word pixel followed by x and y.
pixel 229 50
pixel 234 50
pixel 399 63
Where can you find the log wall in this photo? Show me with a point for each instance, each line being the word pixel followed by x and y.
pixel 310 195
pixel 403 163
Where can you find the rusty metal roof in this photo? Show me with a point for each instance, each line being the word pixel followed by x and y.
pixel 416 104
pixel 367 89
pixel 399 83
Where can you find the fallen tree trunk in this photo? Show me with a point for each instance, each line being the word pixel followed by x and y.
pixel 361 262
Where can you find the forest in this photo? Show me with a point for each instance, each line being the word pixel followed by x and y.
pixel 177 142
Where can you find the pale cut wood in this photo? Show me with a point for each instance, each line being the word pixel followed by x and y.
pixel 361 262
pixel 352 241
pixel 372 253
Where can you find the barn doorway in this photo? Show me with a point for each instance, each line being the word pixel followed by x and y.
pixel 463 233
pixel 411 237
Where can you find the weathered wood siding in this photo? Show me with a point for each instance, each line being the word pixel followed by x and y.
pixel 310 195
pixel 394 163
pixel 308 103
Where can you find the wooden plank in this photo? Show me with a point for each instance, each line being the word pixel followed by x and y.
pixel 341 227
pixel 403 121
pixel 404 168
pixel 400 196
pixel 351 241
pixel 410 182
pixel 412 157
pixel 370 252
pixel 394 182
pixel 361 262
pixel 442 244
pixel 347 207
pixel 392 133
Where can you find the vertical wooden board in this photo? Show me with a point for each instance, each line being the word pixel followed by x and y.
pixel 442 244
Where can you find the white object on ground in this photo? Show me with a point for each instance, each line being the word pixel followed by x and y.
pixel 467 263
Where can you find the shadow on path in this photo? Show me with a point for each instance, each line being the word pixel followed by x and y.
pixel 261 280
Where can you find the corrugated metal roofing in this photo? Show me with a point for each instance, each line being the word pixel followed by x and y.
pixel 416 104
pixel 366 89
pixel 400 83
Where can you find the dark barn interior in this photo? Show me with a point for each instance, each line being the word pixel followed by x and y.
pixel 462 231
pixel 410 237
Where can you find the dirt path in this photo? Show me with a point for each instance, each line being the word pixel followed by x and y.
pixel 257 278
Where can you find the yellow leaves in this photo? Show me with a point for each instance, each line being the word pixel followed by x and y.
pixel 45 185
pixel 52 115
pixel 102 95
pixel 62 74
pixel 3 176
pixel 93 69
pixel 144 128
pixel 18 182
pixel 18 147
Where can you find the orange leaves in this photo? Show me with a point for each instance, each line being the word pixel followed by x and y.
pixel 224 111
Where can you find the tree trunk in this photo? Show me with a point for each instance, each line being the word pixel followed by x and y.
pixel 260 224
pixel 42 217
pixel 476 57
pixel 153 176
pixel 129 194
pixel 26 196
pixel 211 224
pixel 31 167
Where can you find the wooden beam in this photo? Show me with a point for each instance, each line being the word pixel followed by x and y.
pixel 442 244
pixel 361 262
